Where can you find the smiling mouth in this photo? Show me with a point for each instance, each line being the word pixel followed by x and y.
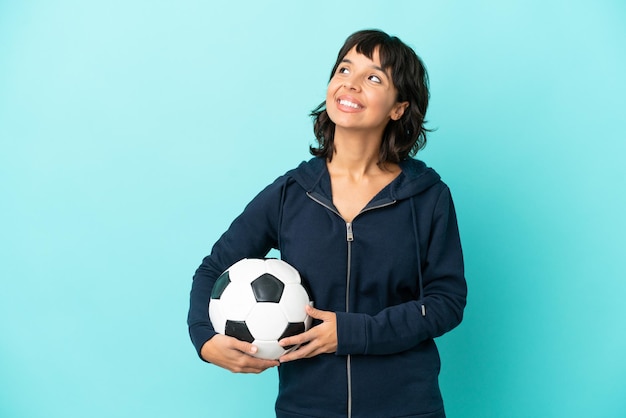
pixel 348 103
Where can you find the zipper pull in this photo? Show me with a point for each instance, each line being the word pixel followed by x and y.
pixel 349 234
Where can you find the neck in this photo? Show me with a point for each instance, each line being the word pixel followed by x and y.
pixel 356 152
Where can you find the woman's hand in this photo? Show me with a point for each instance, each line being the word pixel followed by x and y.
pixel 320 339
pixel 234 355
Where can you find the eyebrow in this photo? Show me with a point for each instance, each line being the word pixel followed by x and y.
pixel 375 67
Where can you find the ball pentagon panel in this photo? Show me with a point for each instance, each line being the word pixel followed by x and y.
pixel 239 330
pixel 267 288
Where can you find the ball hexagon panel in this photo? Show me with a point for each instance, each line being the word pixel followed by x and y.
pixel 279 268
pixel 293 302
pixel 237 301
pixel 246 270
pixel 268 349
pixel 217 316
pixel 266 321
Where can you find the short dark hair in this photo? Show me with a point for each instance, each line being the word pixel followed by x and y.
pixel 401 138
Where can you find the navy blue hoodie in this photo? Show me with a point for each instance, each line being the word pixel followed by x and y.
pixel 394 276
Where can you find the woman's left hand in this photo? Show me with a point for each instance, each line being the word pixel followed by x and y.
pixel 320 339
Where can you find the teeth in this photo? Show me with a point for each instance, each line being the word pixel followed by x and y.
pixel 348 103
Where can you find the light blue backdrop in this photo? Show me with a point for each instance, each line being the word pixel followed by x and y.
pixel 132 132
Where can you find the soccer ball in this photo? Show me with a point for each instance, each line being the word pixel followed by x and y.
pixel 260 301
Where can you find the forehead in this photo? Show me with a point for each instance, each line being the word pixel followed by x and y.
pixel 354 55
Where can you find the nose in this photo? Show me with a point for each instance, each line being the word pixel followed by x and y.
pixel 351 84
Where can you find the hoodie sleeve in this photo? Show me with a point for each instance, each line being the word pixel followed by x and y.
pixel 251 235
pixel 404 326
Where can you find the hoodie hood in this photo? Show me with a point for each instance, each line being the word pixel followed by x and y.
pixel 415 178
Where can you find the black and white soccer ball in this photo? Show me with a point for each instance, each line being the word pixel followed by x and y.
pixel 260 301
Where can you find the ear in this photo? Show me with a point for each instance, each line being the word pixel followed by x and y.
pixel 398 110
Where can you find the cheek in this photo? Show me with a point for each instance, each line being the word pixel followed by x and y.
pixel 385 103
pixel 331 89
pixel 330 94
pixel 331 108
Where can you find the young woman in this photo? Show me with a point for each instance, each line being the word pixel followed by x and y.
pixel 374 234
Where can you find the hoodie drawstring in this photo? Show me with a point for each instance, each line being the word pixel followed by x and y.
pixel 280 216
pixel 419 261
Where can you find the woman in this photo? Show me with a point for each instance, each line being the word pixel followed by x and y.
pixel 374 234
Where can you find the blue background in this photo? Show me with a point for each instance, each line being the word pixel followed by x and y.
pixel 132 133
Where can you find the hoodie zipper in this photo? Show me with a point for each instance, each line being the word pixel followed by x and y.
pixel 349 239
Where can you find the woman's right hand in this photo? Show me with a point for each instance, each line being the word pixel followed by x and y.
pixel 234 355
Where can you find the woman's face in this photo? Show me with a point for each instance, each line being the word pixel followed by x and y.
pixel 361 94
